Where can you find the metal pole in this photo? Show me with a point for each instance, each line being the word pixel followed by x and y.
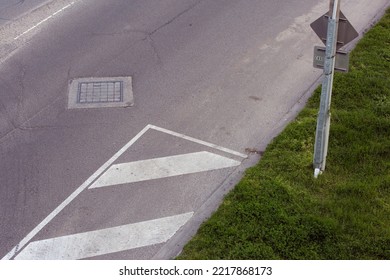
pixel 323 120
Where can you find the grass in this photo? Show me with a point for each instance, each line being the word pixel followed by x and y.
pixel 279 211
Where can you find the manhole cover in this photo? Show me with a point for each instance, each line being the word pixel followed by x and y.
pixel 100 92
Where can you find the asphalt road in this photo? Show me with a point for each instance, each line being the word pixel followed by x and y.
pixel 213 81
pixel 11 10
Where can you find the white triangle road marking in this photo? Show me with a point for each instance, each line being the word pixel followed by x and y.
pixel 163 167
pixel 192 139
pixel 22 243
pixel 105 241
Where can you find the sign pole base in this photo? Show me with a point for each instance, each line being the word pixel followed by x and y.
pixel 317 172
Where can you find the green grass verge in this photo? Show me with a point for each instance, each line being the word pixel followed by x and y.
pixel 279 211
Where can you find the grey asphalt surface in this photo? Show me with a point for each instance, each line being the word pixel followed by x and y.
pixel 11 10
pixel 228 72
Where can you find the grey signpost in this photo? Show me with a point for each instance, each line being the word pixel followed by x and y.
pixel 323 120
pixel 335 31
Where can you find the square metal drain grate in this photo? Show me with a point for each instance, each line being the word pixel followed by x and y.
pixel 96 92
pixel 100 92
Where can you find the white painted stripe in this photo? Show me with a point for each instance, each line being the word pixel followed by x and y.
pixel 44 20
pixel 97 174
pixel 163 167
pixel 105 241
pixel 198 141
pixel 55 212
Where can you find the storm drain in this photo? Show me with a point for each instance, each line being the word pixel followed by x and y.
pixel 100 92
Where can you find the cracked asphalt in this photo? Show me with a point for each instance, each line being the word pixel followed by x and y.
pixel 228 72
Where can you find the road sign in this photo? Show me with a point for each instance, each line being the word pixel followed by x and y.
pixel 341 63
pixel 345 34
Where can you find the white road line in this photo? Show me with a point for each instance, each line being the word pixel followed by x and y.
pixel 163 167
pixel 44 20
pixel 198 141
pixel 97 174
pixel 105 241
pixel 55 212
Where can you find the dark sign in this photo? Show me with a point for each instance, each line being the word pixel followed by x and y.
pixel 345 34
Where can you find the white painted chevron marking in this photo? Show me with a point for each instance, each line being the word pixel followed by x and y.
pixel 16 249
pixel 105 241
pixel 163 167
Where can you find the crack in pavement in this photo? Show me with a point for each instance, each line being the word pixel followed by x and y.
pixel 151 42
pixel 176 17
